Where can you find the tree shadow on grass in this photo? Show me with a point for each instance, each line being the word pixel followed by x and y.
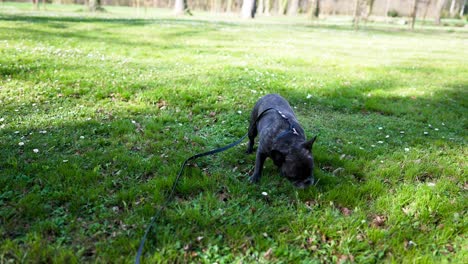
pixel 100 36
pixel 55 21
pixel 113 21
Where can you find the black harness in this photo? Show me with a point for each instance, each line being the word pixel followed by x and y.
pixel 292 128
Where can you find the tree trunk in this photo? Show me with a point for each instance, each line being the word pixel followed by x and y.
pixel 315 8
pixel 94 5
pixel 282 4
pixel 370 7
pixel 267 7
pixel 145 6
pixel 229 6
pixel 462 9
pixel 414 9
pixel 181 7
pixel 357 14
pixel 387 8
pixel 428 3
pixel 260 7
pixel 35 4
pixel 452 8
pixel 44 4
pixel 248 8
pixel 439 8
pixel 293 7
pixel 215 6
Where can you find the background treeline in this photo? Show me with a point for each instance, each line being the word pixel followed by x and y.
pixel 424 8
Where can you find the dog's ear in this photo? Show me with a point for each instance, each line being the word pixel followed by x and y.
pixel 278 157
pixel 308 145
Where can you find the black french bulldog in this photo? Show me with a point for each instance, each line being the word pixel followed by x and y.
pixel 282 139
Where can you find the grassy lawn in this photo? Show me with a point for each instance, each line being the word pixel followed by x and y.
pixel 98 112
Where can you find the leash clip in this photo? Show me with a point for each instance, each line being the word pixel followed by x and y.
pixel 294 131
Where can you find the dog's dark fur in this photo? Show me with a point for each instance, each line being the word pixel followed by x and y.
pixel 288 148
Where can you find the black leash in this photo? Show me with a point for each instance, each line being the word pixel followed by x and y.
pixel 174 185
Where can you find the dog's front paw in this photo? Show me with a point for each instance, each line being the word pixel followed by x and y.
pixel 249 150
pixel 254 178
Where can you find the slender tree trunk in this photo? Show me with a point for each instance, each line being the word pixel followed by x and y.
pixel 428 3
pixel 370 7
pixel 145 6
pixel 357 14
pixel 248 8
pixel 181 7
pixel 216 6
pixel 260 7
pixel 282 4
pixel 35 4
pixel 452 8
pixel 387 8
pixel 44 5
pixel 414 10
pixel 462 9
pixel 316 8
pixel 293 7
pixel 94 5
pixel 229 6
pixel 267 7
pixel 439 8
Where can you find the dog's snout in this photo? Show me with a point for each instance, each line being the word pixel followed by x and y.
pixel 304 184
pixel 308 182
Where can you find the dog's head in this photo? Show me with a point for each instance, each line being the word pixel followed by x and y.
pixel 296 163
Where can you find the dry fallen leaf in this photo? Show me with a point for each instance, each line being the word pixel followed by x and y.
pixel 161 104
pixel 267 254
pixel 342 259
pixel 378 221
pixel 345 211
pixel 449 247
pixel 338 171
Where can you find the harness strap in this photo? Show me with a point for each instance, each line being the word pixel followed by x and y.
pixel 292 128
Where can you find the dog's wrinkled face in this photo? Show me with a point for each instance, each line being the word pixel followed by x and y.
pixel 296 164
pixel 298 168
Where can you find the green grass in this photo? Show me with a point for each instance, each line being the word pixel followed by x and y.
pixel 113 105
